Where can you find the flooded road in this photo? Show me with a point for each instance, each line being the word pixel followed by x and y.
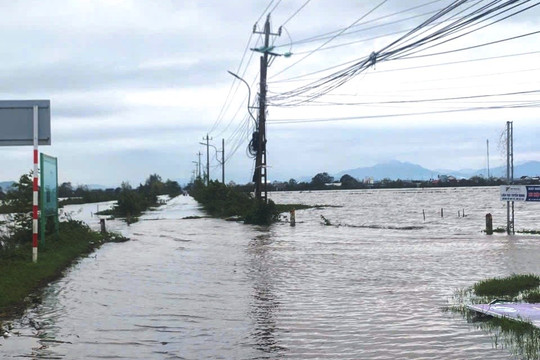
pixel 371 286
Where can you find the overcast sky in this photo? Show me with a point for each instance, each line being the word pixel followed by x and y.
pixel 136 85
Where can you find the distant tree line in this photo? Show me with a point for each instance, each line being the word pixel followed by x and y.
pixel 131 202
pixel 324 181
pixel 152 187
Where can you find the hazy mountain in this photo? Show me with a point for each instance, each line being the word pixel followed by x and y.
pixel 408 171
pixel 392 170
pixel 5 185
pixel 529 168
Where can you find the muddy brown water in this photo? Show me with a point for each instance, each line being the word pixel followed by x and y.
pixel 373 285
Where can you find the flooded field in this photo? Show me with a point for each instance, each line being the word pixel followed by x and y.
pixel 373 285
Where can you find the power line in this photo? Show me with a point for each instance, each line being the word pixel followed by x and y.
pixel 330 82
pixel 274 8
pixel 475 46
pixel 332 33
pixel 264 11
pixel 365 117
pixel 300 78
pixel 429 99
pixel 295 13
pixel 221 112
pixel 472 47
pixel 332 38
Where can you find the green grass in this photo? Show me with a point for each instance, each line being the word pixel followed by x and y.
pixel 532 297
pixel 20 277
pixel 222 201
pixel 521 338
pixel 508 286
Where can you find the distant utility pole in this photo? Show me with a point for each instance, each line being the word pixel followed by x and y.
pixel 487 145
pixel 207 159
pixel 510 175
pixel 223 161
pixel 199 154
pixel 261 176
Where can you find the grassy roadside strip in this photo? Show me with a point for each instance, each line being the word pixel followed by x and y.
pixel 19 277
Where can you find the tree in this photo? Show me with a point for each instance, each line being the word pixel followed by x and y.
pixel 292 184
pixel 172 188
pixel 130 202
pixel 65 190
pixel 18 202
pixel 348 182
pixel 319 180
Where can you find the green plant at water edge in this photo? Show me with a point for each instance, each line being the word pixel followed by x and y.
pixel 532 297
pixel 223 201
pixel 19 276
pixel 508 286
pixel 521 338
pixel 132 202
pixel 18 204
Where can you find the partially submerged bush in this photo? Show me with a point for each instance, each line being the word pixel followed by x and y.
pixel 223 201
pixel 532 297
pixel 508 286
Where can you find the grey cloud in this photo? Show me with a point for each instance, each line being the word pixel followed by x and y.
pixel 68 77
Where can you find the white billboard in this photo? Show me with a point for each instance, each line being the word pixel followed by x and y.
pixel 520 192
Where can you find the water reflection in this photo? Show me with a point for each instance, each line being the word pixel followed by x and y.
pixel 522 340
pixel 210 289
pixel 264 303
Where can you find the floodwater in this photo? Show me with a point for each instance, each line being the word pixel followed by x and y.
pixel 373 285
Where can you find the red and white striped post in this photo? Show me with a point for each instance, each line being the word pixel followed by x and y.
pixel 35 200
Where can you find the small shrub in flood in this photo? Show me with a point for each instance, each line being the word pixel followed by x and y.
pixel 508 286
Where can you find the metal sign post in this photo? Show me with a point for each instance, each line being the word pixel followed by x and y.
pixel 27 122
pixel 35 203
pixel 48 200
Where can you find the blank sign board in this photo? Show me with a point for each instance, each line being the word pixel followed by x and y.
pixel 16 122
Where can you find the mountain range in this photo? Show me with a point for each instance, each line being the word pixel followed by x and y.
pixel 407 171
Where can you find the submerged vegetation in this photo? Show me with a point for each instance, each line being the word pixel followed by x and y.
pixel 508 286
pixel 220 200
pixel 132 202
pixel 233 202
pixel 520 337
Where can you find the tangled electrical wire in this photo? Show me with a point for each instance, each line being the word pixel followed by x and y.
pixel 452 22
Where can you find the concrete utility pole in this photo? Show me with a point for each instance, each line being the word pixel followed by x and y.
pixel 487 145
pixel 199 154
pixel 207 159
pixel 261 176
pixel 510 175
pixel 223 161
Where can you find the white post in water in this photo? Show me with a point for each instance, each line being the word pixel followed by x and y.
pixel 35 191
pixel 509 175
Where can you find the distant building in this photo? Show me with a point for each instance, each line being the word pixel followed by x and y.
pixel 446 179
pixel 334 184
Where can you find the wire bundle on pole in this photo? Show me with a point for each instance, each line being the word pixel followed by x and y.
pixel 452 22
